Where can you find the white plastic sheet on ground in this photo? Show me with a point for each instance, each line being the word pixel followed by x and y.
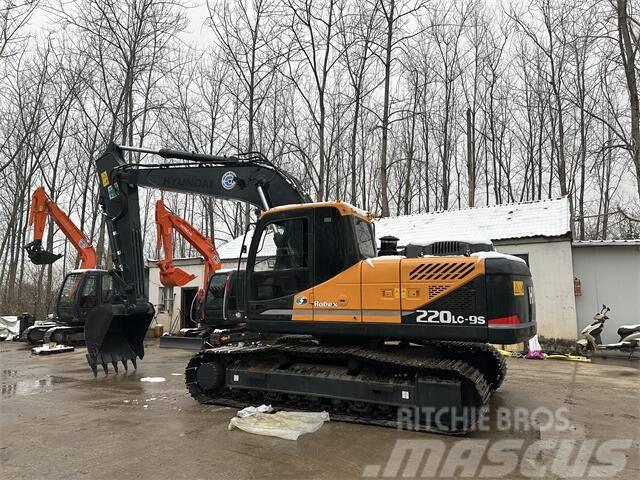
pixel 249 411
pixel 9 327
pixel 286 425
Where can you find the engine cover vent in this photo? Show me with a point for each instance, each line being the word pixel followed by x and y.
pixel 442 271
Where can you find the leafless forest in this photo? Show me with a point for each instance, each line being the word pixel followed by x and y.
pixel 398 106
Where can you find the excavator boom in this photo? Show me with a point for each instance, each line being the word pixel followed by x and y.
pixel 166 223
pixel 41 208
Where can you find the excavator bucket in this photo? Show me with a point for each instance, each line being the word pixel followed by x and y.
pixel 175 277
pixel 113 338
pixel 38 255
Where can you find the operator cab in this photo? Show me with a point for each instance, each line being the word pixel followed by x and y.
pixel 83 290
pixel 297 247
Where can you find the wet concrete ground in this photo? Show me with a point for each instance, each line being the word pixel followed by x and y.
pixel 57 421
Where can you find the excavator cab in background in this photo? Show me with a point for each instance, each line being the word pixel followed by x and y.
pixel 365 337
pixel 217 312
pixel 81 289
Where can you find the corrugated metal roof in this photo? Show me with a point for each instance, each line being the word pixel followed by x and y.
pixel 546 218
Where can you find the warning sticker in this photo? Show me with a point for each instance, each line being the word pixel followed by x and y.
pixel 113 193
pixel 518 288
pixel 104 178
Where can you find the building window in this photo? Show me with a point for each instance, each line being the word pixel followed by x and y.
pixel 165 299
pixel 523 256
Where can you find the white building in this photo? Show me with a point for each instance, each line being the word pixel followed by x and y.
pixel 538 232
pixel 173 304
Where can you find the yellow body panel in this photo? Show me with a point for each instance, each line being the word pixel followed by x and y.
pixel 425 280
pixel 336 300
pixel 380 289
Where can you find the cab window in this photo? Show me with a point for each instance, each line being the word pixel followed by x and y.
pixel 282 259
pixel 335 251
pixel 364 236
pixel 88 297
pixel 106 289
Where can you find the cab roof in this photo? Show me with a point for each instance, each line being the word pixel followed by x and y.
pixel 343 207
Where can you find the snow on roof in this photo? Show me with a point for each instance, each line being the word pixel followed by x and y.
pixel 607 243
pixel 546 218
pixel 231 249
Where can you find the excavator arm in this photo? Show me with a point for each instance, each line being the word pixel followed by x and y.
pixel 246 177
pixel 166 223
pixel 41 208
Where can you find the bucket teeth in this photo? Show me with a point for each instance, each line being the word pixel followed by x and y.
pixel 135 363
pixel 94 369
pixel 124 362
pixel 105 368
pixel 115 365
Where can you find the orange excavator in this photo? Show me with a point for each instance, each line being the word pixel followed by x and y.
pixel 78 296
pixel 209 308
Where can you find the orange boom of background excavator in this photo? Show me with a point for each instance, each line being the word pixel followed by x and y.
pixel 170 275
pixel 41 208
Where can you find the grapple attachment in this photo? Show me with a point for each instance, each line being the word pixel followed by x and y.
pixel 114 335
pixel 38 255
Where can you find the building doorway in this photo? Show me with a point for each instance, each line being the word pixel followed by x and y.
pixel 187 295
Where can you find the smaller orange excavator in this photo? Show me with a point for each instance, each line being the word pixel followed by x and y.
pixel 79 294
pixel 170 275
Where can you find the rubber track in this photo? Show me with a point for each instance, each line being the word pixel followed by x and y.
pixel 467 350
pixel 444 369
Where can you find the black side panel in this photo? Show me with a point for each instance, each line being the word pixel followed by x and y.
pixel 510 300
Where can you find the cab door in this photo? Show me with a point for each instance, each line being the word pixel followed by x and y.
pixel 87 297
pixel 279 266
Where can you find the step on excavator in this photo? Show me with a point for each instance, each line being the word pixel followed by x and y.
pixel 210 307
pixel 80 288
pixel 387 340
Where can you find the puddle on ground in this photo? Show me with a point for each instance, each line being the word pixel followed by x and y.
pixel 26 387
pixel 11 387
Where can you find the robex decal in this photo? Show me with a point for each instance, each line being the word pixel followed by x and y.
pixel 446 317
pixel 325 304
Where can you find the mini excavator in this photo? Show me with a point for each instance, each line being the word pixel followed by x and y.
pixel 77 296
pixel 387 340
